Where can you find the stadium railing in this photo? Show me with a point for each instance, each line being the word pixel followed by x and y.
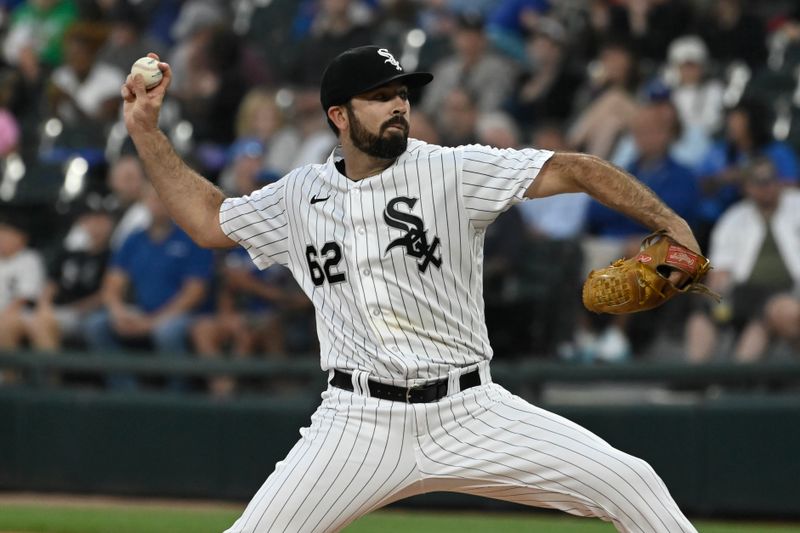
pixel 531 376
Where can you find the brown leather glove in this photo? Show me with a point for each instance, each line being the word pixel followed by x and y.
pixel 642 282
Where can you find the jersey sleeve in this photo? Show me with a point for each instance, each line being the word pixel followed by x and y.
pixel 493 179
pixel 258 223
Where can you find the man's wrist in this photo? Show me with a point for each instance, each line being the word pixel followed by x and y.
pixel 681 232
pixel 145 136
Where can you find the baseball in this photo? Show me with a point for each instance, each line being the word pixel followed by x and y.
pixel 148 68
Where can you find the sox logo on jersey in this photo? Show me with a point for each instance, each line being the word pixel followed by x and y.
pixel 415 241
pixel 397 256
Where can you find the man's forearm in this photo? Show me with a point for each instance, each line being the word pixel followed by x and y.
pixel 188 298
pixel 622 192
pixel 112 300
pixel 114 288
pixel 192 201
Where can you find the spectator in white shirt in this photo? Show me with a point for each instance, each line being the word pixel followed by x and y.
pixel 22 277
pixel 697 96
pixel 755 250
pixel 83 89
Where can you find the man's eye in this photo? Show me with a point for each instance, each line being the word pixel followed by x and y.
pixel 385 97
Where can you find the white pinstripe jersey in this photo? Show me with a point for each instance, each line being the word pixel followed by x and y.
pixel 392 263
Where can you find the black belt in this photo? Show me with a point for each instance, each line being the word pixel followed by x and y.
pixel 432 392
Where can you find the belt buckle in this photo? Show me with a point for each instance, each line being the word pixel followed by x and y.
pixel 409 390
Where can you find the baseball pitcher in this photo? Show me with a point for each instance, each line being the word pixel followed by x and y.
pixel 386 239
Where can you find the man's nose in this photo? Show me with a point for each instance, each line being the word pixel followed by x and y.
pixel 400 111
pixel 400 107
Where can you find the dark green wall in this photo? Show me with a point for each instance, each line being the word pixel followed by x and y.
pixel 726 456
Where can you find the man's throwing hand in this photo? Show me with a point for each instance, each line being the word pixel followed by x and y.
pixel 142 106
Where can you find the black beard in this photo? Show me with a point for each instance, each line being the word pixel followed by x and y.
pixel 377 145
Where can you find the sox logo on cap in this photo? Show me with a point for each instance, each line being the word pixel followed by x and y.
pixel 383 52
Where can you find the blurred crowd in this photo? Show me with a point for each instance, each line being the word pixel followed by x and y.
pixel 699 99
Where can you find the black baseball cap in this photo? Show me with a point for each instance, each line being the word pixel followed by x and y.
pixel 14 223
pixel 362 69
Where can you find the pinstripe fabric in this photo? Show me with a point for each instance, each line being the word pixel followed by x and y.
pixel 393 266
pixel 356 456
pixel 389 317
pixel 488 442
pixel 361 453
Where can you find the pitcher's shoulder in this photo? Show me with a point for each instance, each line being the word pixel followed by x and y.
pixel 422 150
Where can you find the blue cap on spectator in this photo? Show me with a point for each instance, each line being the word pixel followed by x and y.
pixel 656 91
pixel 246 147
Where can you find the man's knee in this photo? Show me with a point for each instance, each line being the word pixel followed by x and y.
pixel 782 314
pixel 638 475
pixel 11 328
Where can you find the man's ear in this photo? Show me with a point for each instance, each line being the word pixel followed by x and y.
pixel 338 115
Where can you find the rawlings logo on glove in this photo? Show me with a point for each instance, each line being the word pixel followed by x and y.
pixel 642 283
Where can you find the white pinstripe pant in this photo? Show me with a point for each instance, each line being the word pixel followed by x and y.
pixel 361 453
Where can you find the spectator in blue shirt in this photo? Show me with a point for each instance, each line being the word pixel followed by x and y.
pixel 655 128
pixel 167 277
